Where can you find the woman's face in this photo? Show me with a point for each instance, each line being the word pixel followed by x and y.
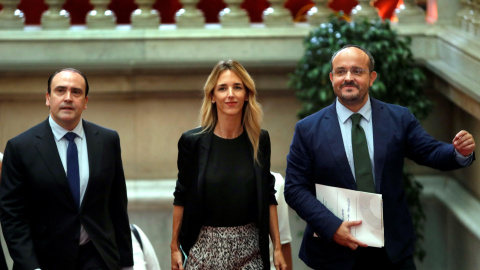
pixel 229 94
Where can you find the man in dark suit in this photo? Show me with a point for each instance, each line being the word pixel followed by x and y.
pixel 64 201
pixel 322 152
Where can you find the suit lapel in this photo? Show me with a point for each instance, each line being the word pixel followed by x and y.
pixel 380 126
pixel 47 148
pixel 331 128
pixel 95 152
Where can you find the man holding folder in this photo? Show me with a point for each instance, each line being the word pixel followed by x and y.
pixel 360 143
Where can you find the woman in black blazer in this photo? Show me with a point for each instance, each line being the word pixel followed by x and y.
pixel 224 206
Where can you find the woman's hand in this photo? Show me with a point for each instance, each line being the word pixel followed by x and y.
pixel 177 263
pixel 278 260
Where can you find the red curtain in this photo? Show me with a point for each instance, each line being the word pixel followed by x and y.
pixel 32 9
pixel 385 8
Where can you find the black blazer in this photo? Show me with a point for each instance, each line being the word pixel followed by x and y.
pixel 193 151
pixel 40 221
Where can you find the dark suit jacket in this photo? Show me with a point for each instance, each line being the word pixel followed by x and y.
pixel 193 150
pixel 317 155
pixel 40 221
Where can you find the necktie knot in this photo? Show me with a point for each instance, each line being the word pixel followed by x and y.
pixel 70 136
pixel 356 117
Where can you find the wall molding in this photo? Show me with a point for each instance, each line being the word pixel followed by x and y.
pixel 463 205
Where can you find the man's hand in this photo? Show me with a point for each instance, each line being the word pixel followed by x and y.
pixel 464 143
pixel 343 236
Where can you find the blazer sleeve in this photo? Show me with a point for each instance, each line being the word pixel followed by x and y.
pixel 425 150
pixel 265 152
pixel 300 186
pixel 118 209
pixel 16 229
pixel 184 164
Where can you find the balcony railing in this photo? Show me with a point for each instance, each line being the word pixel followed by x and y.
pixel 160 14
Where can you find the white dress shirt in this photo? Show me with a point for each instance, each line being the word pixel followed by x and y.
pixel 143 259
pixel 282 211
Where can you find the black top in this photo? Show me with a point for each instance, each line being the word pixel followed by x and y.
pixel 230 187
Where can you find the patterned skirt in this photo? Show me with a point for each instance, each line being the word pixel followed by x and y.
pixel 226 248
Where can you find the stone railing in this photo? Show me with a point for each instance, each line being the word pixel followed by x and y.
pixel 277 15
pixel 145 41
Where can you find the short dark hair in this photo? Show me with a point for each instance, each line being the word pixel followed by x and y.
pixel 67 69
pixel 371 64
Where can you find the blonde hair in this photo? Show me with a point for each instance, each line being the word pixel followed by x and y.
pixel 252 111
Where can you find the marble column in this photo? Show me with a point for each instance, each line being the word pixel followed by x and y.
pixel 320 14
pixel 233 15
pixel 277 15
pixel 101 17
pixel 10 16
pixel 55 17
pixel 411 13
pixel 189 16
pixel 364 9
pixel 145 16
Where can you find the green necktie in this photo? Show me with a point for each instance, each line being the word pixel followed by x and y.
pixel 361 158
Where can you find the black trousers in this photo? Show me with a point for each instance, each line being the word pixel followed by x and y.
pixel 89 258
pixel 377 259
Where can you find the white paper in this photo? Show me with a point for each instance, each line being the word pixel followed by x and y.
pixel 352 205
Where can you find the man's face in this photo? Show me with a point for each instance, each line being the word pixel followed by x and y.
pixel 67 99
pixel 351 78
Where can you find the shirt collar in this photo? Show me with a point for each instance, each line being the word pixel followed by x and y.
pixel 59 132
pixel 344 113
